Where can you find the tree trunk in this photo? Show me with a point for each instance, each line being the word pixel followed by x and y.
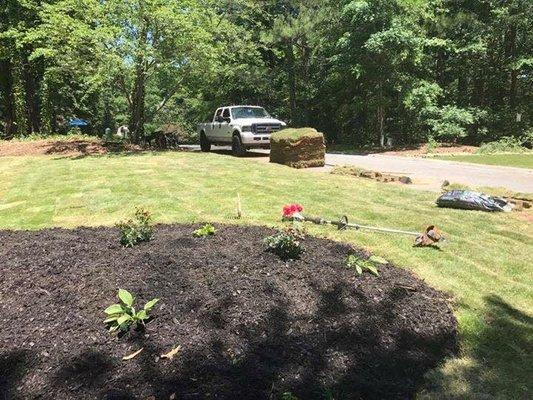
pixel 137 118
pixel 32 100
pixel 138 105
pixel 511 44
pixel 381 118
pixel 289 54
pixel 478 93
pixel 7 101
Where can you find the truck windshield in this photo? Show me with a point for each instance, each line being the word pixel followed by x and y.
pixel 249 112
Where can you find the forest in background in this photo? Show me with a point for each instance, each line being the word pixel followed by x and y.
pixel 360 71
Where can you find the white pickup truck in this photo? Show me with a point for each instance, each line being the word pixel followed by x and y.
pixel 244 127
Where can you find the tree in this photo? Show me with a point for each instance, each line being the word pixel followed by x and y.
pixel 359 70
pixel 19 73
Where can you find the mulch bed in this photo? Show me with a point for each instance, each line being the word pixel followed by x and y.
pixel 250 325
pixel 67 147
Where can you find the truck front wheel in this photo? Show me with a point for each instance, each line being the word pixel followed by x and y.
pixel 237 147
pixel 205 145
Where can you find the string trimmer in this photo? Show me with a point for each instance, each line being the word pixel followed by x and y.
pixel 430 237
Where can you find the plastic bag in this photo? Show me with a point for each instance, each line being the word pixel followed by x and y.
pixel 468 200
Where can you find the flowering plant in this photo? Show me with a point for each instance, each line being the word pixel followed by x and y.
pixel 292 210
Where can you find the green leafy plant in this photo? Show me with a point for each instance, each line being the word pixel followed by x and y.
pixel 288 396
pixel 136 230
pixel 286 244
pixel 432 145
pixel 123 315
pixel 506 144
pixel 206 230
pixel 361 265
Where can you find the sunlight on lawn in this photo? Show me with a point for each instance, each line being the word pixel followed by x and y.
pixel 485 265
pixel 522 160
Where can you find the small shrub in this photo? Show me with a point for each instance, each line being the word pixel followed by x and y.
pixel 136 230
pixel 506 144
pixel 122 316
pixel 288 396
pixel 361 265
pixel 206 230
pixel 286 244
pixel 432 145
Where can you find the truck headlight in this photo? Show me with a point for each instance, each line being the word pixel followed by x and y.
pixel 246 128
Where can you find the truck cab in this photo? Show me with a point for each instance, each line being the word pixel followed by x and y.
pixel 242 127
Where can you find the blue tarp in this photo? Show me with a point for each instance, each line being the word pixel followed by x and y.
pixel 78 122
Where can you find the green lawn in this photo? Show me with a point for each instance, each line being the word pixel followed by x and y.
pixel 522 160
pixel 486 265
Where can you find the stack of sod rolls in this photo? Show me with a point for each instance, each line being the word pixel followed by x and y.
pixel 298 148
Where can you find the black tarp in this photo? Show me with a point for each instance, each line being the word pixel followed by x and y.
pixel 467 200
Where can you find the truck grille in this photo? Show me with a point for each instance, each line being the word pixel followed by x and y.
pixel 265 129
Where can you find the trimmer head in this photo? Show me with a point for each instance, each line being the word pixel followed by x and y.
pixel 430 237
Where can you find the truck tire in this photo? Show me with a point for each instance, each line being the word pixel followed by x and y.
pixel 237 148
pixel 205 145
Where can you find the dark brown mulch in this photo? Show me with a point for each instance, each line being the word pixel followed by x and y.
pixel 250 326
pixel 66 147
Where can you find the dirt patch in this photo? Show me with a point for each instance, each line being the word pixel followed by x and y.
pixel 444 148
pixel 415 150
pixel 250 326
pixel 377 176
pixel 62 147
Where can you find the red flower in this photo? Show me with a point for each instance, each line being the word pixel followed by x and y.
pixel 291 209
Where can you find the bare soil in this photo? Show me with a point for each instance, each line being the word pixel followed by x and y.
pixel 78 147
pixel 443 148
pixel 415 150
pixel 250 325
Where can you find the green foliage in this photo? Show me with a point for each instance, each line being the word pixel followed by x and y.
pixel 450 122
pixel 123 315
pixel 206 230
pixel 361 265
pixel 432 145
pixel 506 144
pixel 288 396
pixel 286 244
pixel 136 230
pixel 359 71
pixel 423 97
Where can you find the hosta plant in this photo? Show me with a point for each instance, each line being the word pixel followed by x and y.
pixel 206 230
pixel 123 315
pixel 136 230
pixel 286 244
pixel 361 265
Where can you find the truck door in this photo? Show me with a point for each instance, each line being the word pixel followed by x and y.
pixel 225 130
pixel 214 125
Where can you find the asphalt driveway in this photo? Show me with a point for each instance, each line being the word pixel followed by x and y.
pixel 429 174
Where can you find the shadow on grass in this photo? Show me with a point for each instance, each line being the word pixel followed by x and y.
pixel 502 355
pixel 248 154
pixel 366 151
pixel 121 152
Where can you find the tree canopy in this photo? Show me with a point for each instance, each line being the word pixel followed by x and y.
pixel 361 71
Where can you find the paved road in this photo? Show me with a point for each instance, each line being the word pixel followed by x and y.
pixel 427 174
